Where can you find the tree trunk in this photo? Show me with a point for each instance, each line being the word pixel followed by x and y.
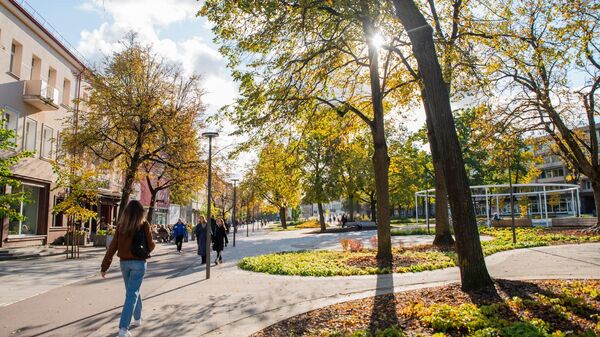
pixel 127 189
pixel 381 159
pixel 153 194
pixel 321 216
pixel 351 216
pixel 282 211
pixel 474 274
pixel 443 237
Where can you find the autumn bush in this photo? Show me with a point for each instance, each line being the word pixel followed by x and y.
pixel 374 241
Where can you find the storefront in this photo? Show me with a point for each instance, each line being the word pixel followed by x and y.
pixel 32 226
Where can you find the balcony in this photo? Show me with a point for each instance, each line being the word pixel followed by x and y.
pixel 39 94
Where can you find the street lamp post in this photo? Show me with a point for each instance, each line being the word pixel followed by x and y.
pixel 210 135
pixel 234 204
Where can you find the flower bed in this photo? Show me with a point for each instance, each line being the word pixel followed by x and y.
pixel 354 261
pixel 510 309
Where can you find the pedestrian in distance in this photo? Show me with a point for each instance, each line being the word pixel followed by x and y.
pixel 133 244
pixel 213 225
pixel 179 231
pixel 220 240
pixel 200 231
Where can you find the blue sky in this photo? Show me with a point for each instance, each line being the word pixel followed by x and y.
pixel 95 27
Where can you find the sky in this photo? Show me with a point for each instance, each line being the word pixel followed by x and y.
pixel 95 27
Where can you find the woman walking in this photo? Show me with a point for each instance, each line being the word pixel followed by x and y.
pixel 220 240
pixel 128 243
pixel 201 237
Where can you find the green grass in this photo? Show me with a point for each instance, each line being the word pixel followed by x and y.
pixel 402 221
pixel 415 231
pixel 337 263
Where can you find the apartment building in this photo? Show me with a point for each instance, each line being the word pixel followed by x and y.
pixel 554 170
pixel 40 76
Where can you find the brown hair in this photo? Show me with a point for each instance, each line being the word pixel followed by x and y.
pixel 132 219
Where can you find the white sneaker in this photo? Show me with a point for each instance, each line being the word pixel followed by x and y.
pixel 136 323
pixel 124 333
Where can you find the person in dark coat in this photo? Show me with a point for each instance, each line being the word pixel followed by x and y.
pixel 220 240
pixel 200 232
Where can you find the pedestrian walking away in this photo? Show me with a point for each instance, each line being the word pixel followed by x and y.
pixel 132 243
pixel 179 231
pixel 200 231
pixel 220 240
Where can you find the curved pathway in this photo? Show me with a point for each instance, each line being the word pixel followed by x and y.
pixel 178 301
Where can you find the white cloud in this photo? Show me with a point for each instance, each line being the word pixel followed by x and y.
pixel 160 24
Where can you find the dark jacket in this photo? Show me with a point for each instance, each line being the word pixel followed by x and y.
pixel 180 229
pixel 201 238
pixel 219 238
pixel 122 244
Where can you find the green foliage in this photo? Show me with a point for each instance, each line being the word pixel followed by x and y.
pixel 392 331
pixel 9 200
pixel 415 231
pixel 332 263
pixel 101 232
pixel 82 183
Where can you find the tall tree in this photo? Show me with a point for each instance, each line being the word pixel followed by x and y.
pixel 339 65
pixel 546 54
pixel 276 179
pixel 136 107
pixel 474 274
pixel 320 162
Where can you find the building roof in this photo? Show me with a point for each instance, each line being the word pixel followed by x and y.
pixel 48 32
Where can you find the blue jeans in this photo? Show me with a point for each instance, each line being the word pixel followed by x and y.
pixel 133 274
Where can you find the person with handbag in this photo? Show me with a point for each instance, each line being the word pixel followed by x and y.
pixel 133 244
pixel 219 240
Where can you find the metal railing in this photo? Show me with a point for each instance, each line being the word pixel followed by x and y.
pixel 53 31
pixel 43 89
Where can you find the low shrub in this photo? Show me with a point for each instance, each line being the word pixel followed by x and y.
pixel 406 259
pixel 415 231
pixel 355 245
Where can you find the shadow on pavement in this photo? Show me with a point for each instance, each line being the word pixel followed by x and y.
pixel 383 313
pixel 87 327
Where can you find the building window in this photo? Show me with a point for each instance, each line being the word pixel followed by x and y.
pixel 30 135
pixel 36 68
pixel 66 97
pixel 11 119
pixel 554 173
pixel 15 58
pixel 58 219
pixel 47 134
pixel 29 209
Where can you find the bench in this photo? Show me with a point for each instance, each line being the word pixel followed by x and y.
pixel 508 223
pixel 573 223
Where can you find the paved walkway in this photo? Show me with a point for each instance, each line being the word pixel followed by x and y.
pixel 179 302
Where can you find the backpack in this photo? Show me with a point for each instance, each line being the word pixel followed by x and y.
pixel 139 244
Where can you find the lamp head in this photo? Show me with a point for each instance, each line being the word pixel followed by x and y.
pixel 210 134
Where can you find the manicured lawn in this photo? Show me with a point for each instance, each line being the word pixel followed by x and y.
pixel 414 231
pixel 409 259
pixel 549 308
